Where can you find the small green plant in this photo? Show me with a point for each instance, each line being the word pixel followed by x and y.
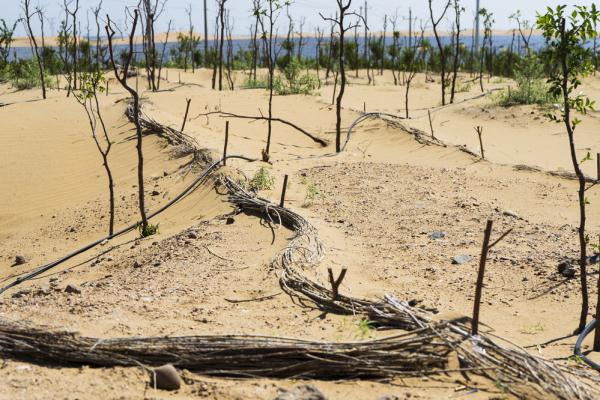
pixel 312 194
pixel 463 87
pixel 149 230
pixel 575 359
pixel 262 180
pixel 533 329
pixel 501 386
pixel 261 82
pixel 365 328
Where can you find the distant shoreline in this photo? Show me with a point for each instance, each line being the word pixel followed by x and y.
pixel 52 41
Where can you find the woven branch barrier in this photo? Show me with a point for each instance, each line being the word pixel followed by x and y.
pixel 423 349
pixel 414 353
pixel 520 372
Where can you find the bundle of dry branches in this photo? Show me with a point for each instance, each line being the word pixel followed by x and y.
pixel 413 353
pixel 517 370
pixel 184 144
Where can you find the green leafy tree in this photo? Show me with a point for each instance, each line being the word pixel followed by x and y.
pixel 565 35
pixel 6 39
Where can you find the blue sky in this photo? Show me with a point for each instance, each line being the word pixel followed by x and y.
pixel 240 11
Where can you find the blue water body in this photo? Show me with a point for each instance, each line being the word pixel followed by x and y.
pixel 310 44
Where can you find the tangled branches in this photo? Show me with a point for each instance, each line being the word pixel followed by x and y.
pixel 184 144
pixel 514 368
pixel 413 353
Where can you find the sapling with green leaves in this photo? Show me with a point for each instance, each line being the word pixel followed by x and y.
pixel 90 85
pixel 566 34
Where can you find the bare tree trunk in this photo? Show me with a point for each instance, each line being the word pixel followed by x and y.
pixel 457 12
pixel 162 56
pixel 33 43
pixel 205 35
pixel 75 49
pixel 221 41
pixel 136 111
pixel 441 49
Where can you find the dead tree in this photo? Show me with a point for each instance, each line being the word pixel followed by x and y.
pixel 205 35
pixel 191 40
pixel 435 23
pixel 319 39
pixel 215 64
pixel 300 34
pixel 91 84
pixel 221 4
pixel 414 56
pixel 342 29
pixel 162 55
pixel 150 12
pixel 255 6
pixel 366 45
pixel 270 14
pixel 33 42
pixel 122 78
pixel 382 64
pixel 96 12
pixel 75 50
pixel 457 11
pixel 394 51
pixel 330 49
pixel 228 32
pixel 288 41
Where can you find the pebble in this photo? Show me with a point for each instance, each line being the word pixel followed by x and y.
pixel 511 214
pixel 165 377
pixel 20 260
pixel 566 269
pixel 21 293
pixel 301 392
pixel 461 259
pixel 71 288
pixel 192 235
pixel 437 235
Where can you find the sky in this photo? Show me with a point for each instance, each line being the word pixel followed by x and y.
pixel 10 10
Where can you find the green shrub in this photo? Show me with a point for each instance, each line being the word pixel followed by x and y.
pixel 262 180
pixel 149 230
pixel 261 82
pixel 294 80
pixel 24 74
pixel 531 88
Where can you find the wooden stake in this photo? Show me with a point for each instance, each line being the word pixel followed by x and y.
pixel 335 283
pixel 598 165
pixel 430 124
pixel 179 76
pixel 187 109
pixel 479 130
pixel 283 190
pixel 365 107
pixel 226 142
pixel 479 288
pixel 137 74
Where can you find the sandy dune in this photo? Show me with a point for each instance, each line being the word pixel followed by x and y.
pixel 376 206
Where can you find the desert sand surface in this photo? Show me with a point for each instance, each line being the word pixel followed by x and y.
pixel 375 206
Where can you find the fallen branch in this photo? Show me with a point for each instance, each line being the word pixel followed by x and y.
pixel 224 114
